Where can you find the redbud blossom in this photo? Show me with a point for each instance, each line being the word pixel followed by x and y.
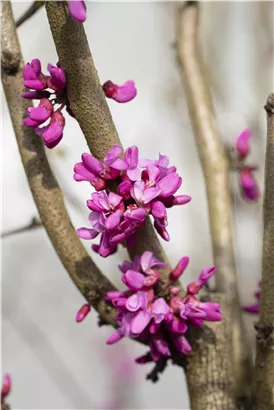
pixel 82 313
pixel 6 387
pixel 120 93
pixel 117 216
pixel 242 143
pixel 155 321
pixel 77 10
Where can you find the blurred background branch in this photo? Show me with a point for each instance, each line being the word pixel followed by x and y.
pixel 32 9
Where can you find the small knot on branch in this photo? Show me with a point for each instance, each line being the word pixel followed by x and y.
pixel 264 333
pixel 269 107
pixel 10 62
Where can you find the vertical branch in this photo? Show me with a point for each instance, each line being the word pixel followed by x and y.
pixel 87 100
pixel 264 370
pixel 216 175
pixel 45 190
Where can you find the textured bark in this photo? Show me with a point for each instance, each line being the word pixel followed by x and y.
pixel 264 370
pixel 216 174
pixel 209 366
pixel 45 190
pixel 87 100
pixel 86 97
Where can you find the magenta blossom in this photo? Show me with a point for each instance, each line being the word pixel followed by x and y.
pixel 51 133
pixel 6 387
pixel 77 10
pixel 120 93
pixel 248 184
pixel 242 143
pixel 82 313
pixel 153 320
pixel 255 308
pixel 118 216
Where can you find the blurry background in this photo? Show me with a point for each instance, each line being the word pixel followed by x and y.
pixel 54 362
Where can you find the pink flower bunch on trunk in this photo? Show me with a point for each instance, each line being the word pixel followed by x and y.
pixel 249 187
pixel 255 307
pixel 157 322
pixel 6 387
pixel 47 120
pixel 142 188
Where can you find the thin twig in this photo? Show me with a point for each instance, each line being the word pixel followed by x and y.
pixel 33 224
pixel 33 8
pixel 45 190
pixel 264 370
pixel 88 103
pixel 216 173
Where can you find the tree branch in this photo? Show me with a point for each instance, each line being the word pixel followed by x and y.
pixel 32 9
pixel 34 223
pixel 88 103
pixel 264 370
pixel 45 190
pixel 216 173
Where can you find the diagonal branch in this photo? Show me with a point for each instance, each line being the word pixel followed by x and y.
pixel 264 370
pixel 45 190
pixel 216 174
pixel 32 9
pixel 88 103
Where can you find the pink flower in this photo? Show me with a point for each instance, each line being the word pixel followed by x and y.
pixel 254 308
pixel 40 114
pixel 242 143
pixel 96 172
pixel 53 133
pixel 82 313
pixel 202 280
pixel 248 184
pixel 155 321
pixel 77 10
pixel 56 82
pixel 120 93
pixel 6 387
pixel 179 269
pixel 138 194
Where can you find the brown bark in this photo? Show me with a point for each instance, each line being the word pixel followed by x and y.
pixel 209 366
pixel 45 190
pixel 87 100
pixel 264 369
pixel 216 174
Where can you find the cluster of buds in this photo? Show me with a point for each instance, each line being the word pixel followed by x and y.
pixel 255 307
pixel 142 187
pixel 6 387
pixel 50 90
pixel 249 187
pixel 159 323
pixel 47 119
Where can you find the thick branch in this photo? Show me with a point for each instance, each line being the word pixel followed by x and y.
pixel 264 371
pixel 216 173
pixel 87 100
pixel 209 366
pixel 45 190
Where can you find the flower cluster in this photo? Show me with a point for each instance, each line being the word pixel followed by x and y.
pixel 6 387
pixel 142 187
pixel 77 10
pixel 248 183
pixel 50 90
pixel 156 322
pixel 255 308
